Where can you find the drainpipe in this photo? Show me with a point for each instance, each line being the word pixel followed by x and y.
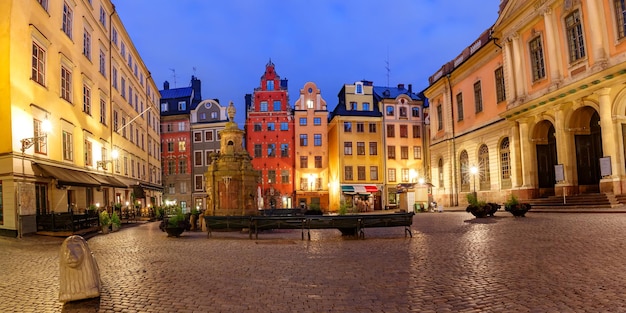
pixel 455 195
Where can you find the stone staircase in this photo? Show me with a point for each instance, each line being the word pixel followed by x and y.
pixel 592 202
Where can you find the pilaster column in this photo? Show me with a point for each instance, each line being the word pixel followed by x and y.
pixel 515 156
pixel 552 45
pixel 527 151
pixel 610 142
pixel 564 145
pixel 509 71
pixel 599 34
pixel 518 65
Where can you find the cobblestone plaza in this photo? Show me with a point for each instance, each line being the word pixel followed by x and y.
pixel 546 262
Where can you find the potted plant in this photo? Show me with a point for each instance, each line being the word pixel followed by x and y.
pixel 493 208
pixel 477 208
pixel 515 207
pixel 314 209
pixel 105 221
pixel 117 207
pixel 116 223
pixel 175 224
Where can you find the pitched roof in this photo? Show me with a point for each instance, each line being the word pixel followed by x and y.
pixel 394 92
pixel 174 93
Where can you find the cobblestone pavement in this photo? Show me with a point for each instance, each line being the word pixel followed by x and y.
pixel 454 263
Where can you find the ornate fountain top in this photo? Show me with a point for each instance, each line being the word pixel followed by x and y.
pixel 231 112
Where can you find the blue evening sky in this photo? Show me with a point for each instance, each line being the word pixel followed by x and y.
pixel 226 43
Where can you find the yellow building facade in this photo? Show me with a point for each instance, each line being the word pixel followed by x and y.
pixel 554 113
pixel 311 145
pixel 356 165
pixel 71 66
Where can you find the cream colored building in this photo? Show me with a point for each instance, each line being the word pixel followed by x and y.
pixel 71 65
pixel 553 109
pixel 311 144
pixel 403 142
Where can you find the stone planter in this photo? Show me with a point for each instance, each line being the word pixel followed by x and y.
pixel 479 211
pixel 174 231
pixel 518 210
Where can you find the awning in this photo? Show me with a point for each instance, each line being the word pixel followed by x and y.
pixel 151 186
pixel 359 189
pixel 109 181
pixel 347 189
pixel 66 176
pixel 128 182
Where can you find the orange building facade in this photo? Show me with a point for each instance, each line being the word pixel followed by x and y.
pixel 548 78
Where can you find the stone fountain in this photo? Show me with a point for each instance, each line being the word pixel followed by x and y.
pixel 231 182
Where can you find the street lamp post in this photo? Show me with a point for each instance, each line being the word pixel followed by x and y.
pixel 473 172
pixel 46 128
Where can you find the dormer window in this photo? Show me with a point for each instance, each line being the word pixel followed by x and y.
pixel 359 88
pixel 270 85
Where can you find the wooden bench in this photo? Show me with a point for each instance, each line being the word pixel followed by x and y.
pixel 353 225
pixel 348 225
pixel 278 222
pixel 228 222
pixel 389 220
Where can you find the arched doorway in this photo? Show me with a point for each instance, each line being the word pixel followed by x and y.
pixel 546 157
pixel 588 139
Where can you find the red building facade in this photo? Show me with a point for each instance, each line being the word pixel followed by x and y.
pixel 270 139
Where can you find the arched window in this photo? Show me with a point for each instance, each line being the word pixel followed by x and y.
pixel 483 168
pixel 440 166
pixel 505 163
pixel 465 174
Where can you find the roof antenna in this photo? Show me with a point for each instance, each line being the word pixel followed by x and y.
pixel 174 75
pixel 387 67
pixel 194 71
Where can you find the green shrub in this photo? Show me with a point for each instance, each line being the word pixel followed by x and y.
pixel 512 201
pixel 472 199
pixel 115 220
pixel 105 220
pixel 177 219
pixel 343 208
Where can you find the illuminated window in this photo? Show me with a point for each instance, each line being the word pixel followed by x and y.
pixel 38 64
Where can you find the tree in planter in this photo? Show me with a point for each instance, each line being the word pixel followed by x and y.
pixel 477 208
pixel 344 208
pixel 314 209
pixel 175 224
pixel 105 221
pixel 116 223
pixel 515 207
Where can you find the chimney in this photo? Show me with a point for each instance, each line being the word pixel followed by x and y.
pixel 197 90
pixel 166 85
pixel 410 88
pixel 400 86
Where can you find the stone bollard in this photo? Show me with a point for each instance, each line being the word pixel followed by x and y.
pixel 192 221
pixel 79 276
